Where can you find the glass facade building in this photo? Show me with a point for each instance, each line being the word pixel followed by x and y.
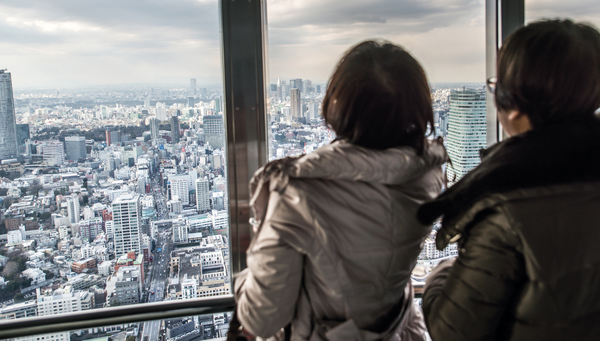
pixel 466 131
pixel 8 133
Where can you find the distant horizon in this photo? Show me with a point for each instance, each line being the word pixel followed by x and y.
pixel 129 86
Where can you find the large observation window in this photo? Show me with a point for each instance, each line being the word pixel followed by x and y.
pixel 307 39
pixel 65 63
pixel 121 194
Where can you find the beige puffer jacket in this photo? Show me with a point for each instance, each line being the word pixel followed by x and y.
pixel 337 243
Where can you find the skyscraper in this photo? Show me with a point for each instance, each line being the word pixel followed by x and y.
pixel 154 128
pixel 22 136
pixel 174 129
pixel 466 130
pixel 8 130
pixel 75 146
pixel 73 208
pixel 279 89
pixel 202 195
pixel 218 107
pixel 193 86
pixel 213 130
pixel 296 106
pixel 126 223
pixel 296 83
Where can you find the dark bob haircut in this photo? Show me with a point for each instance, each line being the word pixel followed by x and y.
pixel 378 97
pixel 550 71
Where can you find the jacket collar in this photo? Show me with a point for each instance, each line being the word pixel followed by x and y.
pixel 541 157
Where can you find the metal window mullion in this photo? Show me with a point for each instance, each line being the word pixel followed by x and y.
pixel 244 68
pixel 502 17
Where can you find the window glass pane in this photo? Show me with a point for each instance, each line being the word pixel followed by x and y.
pixel 307 39
pixel 113 187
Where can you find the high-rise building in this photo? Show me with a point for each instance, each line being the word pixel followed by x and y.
pixel 161 111
pixel 296 83
pixel 73 208
pixel 202 195
pixel 8 129
pixel 180 189
pixel 218 104
pixel 174 129
pixel 127 212
pixel 22 136
pixel 154 128
pixel 75 146
pixel 213 130
pixel 466 130
pixel 313 110
pixel 193 86
pixel 112 136
pixel 53 152
pixel 279 89
pixel 296 103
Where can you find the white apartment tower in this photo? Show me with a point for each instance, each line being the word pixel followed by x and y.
pixel 8 121
pixel 126 223
pixel 193 86
pixel 202 195
pixel 73 208
pixel 296 103
pixel 466 130
pixel 180 189
pixel 154 128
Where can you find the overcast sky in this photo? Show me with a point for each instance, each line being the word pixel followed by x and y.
pixel 66 43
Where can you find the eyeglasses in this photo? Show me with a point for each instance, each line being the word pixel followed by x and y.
pixel 491 84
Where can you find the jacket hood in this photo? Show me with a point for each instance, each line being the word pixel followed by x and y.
pixel 343 161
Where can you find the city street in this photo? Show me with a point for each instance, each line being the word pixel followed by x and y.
pixel 160 269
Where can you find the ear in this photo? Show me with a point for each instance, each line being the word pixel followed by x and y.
pixel 515 115
pixel 519 122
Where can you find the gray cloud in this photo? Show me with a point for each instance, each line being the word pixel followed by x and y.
pixel 114 41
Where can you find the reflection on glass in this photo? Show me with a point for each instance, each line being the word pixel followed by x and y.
pixel 116 190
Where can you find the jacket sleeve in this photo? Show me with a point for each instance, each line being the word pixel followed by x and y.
pixel 267 291
pixel 468 300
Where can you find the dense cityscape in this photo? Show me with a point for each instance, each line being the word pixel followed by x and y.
pixel 118 196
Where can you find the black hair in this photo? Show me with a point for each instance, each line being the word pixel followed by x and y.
pixel 550 71
pixel 378 97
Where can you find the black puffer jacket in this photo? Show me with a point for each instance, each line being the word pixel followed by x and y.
pixel 527 221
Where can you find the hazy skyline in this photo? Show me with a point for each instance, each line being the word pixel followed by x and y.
pixel 69 43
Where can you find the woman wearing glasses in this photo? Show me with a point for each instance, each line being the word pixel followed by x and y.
pixel 527 219
pixel 338 236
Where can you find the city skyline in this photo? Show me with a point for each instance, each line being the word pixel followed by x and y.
pixel 73 44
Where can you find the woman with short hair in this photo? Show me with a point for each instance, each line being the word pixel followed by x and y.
pixel 338 235
pixel 527 218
